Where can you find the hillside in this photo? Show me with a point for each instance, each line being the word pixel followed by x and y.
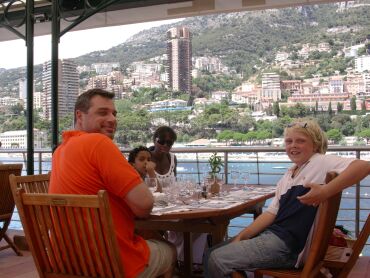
pixel 244 40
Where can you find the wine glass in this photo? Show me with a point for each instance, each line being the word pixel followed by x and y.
pixel 245 177
pixel 221 181
pixel 171 188
pixel 234 176
pixel 151 183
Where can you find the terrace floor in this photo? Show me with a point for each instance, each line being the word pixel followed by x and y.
pixel 24 267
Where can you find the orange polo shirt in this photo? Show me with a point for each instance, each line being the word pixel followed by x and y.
pixel 88 162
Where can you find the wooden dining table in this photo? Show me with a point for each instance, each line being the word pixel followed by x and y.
pixel 202 219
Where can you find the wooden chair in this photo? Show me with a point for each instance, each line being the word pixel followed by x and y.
pixel 70 235
pixel 341 269
pixel 7 203
pixel 327 215
pixel 30 184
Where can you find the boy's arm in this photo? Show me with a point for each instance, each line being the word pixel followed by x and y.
pixel 257 226
pixel 355 172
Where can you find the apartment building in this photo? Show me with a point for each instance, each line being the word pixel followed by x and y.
pixel 179 53
pixel 68 85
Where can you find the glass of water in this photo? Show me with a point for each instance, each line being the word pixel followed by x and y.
pixel 234 175
pixel 151 183
pixel 245 176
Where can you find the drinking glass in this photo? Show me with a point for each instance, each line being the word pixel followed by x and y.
pixel 151 183
pixel 245 176
pixel 206 185
pixel 234 177
pixel 170 188
pixel 221 177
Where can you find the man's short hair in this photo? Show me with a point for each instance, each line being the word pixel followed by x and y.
pixel 83 100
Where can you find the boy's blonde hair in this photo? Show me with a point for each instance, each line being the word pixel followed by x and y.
pixel 311 129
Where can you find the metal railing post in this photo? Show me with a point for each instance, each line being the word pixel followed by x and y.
pixel 40 162
pixel 226 166
pixel 358 196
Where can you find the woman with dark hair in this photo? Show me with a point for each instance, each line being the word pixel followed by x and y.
pixel 163 139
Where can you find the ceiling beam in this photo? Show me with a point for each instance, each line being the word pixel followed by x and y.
pixel 128 12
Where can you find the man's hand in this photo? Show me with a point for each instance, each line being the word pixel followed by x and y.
pixel 315 196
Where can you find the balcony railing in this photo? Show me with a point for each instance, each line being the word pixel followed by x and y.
pixel 265 166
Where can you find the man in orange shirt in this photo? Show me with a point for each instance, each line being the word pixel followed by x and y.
pixel 88 161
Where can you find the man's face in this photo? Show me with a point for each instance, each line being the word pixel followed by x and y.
pixel 100 118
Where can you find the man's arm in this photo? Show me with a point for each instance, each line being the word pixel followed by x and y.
pixel 257 226
pixel 354 173
pixel 140 200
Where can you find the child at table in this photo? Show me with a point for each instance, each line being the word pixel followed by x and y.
pixel 278 236
pixel 141 159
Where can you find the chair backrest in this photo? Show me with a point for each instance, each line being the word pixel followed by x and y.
pixel 31 183
pixel 70 235
pixel 327 216
pixel 6 198
pixel 356 249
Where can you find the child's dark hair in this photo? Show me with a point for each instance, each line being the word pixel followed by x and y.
pixel 133 153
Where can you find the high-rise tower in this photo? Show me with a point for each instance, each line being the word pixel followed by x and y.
pixel 271 87
pixel 68 85
pixel 179 59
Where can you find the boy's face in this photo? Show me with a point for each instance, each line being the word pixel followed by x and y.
pixel 141 160
pixel 299 147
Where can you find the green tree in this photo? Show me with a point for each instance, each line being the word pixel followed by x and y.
pixel 330 110
pixel 365 133
pixel 133 127
pixel 353 104
pixel 339 107
pixel 334 135
pixel 238 137
pixel 348 129
pixel 225 135
pixel 276 108
pixel 363 106
pixel 297 111
pixel 16 109
pixel 324 122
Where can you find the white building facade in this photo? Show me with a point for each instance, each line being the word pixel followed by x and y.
pixel 17 139
pixel 362 63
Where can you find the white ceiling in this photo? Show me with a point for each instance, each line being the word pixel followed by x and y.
pixel 162 12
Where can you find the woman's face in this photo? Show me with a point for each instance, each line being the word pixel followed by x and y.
pixel 163 143
pixel 299 147
pixel 141 160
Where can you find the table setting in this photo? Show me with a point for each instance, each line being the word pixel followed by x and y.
pixel 181 198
